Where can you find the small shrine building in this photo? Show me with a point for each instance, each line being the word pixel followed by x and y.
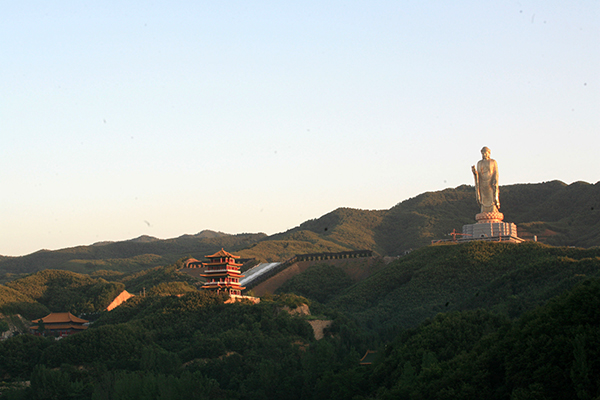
pixel 58 324
pixel 223 274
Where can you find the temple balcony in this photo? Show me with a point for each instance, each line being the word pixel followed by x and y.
pixel 228 269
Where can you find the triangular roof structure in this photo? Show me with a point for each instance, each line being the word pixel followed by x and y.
pixel 222 253
pixel 368 358
pixel 120 299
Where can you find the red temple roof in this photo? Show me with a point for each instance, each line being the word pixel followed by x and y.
pixel 222 253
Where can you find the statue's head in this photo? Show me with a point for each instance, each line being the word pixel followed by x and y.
pixel 485 153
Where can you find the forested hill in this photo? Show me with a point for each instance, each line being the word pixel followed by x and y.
pixel 559 214
pixel 504 277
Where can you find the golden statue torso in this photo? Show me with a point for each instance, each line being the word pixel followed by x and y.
pixel 486 183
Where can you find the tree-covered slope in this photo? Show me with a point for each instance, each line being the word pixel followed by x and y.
pixel 14 302
pixel 509 278
pixel 320 282
pixel 344 229
pixel 150 278
pixel 280 248
pixel 62 291
pixel 347 227
pixel 551 352
pixel 192 346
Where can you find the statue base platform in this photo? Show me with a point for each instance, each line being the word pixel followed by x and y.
pixel 491 228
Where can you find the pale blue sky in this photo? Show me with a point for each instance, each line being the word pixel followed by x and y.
pixel 122 118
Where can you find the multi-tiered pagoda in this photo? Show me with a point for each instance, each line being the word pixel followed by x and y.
pixel 223 273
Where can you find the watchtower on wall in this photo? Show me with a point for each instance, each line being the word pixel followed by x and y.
pixel 223 273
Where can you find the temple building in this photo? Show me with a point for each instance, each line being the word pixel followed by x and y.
pixel 223 274
pixel 58 324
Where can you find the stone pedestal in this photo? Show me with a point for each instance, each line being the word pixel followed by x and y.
pixel 489 230
pixel 490 227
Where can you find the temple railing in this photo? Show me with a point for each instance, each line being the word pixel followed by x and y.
pixel 334 256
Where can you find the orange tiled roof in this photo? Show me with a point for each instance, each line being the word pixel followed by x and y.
pixel 62 317
pixel 222 253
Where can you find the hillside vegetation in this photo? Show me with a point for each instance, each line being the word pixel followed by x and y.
pixel 13 302
pixel 551 352
pixel 503 277
pixel 319 282
pixel 61 291
pixel 282 247
pixel 167 347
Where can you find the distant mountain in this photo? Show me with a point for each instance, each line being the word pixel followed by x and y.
pixel 206 234
pixel 144 239
pixel 130 255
